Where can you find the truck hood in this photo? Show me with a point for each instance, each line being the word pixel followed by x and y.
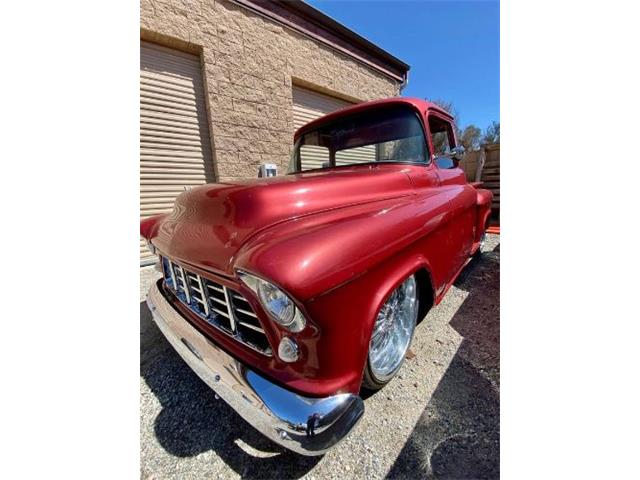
pixel 210 223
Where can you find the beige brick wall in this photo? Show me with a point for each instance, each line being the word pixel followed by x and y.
pixel 249 64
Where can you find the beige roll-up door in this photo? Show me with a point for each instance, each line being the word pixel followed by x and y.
pixel 309 105
pixel 175 150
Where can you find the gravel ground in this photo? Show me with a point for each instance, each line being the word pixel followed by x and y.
pixel 438 419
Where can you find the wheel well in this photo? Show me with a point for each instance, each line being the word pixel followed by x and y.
pixel 426 293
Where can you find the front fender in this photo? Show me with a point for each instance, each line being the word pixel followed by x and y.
pixel 149 226
pixel 347 314
pixel 342 267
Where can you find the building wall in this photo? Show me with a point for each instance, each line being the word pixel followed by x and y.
pixel 249 66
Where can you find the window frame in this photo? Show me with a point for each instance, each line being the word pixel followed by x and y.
pixel 450 131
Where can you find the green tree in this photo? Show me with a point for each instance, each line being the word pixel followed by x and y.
pixel 451 109
pixel 471 137
pixel 492 134
pixel 448 106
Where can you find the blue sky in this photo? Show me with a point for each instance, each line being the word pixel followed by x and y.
pixel 453 47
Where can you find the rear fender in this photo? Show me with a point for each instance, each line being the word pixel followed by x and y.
pixel 483 202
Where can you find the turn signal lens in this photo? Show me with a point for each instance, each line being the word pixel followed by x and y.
pixel 288 350
pixel 277 303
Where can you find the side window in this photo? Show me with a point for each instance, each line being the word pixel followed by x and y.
pixel 441 136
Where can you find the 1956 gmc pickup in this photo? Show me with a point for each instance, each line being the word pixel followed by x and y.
pixel 288 295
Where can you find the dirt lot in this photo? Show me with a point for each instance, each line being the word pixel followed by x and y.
pixel 439 418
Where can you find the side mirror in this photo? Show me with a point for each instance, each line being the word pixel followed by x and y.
pixel 457 152
pixel 267 170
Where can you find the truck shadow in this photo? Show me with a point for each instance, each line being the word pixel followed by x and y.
pixel 458 433
pixel 192 421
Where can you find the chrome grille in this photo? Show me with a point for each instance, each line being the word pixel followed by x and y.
pixel 222 307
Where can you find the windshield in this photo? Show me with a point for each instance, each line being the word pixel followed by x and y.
pixel 385 135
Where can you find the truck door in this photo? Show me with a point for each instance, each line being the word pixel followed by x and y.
pixel 461 220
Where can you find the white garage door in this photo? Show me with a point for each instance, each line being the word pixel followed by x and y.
pixel 309 105
pixel 175 150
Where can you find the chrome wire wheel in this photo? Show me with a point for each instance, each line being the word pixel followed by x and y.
pixel 393 330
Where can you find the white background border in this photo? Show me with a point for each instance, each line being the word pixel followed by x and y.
pixel 570 173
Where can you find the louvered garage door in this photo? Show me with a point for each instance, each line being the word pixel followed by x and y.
pixel 309 105
pixel 175 150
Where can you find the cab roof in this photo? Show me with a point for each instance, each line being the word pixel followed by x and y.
pixel 418 104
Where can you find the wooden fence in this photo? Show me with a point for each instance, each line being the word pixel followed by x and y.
pixel 484 166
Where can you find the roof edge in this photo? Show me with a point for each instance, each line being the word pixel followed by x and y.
pixel 326 21
pixel 417 104
pixel 277 11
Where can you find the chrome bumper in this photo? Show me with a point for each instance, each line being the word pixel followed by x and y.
pixel 309 426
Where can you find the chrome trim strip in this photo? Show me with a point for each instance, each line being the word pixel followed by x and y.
pixel 306 425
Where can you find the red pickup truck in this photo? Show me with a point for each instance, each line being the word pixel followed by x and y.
pixel 288 295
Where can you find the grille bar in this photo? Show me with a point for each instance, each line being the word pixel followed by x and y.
pixel 222 302
pixel 182 285
pixel 218 305
pixel 232 316
pixel 217 310
pixel 246 312
pixel 252 327
pixel 203 297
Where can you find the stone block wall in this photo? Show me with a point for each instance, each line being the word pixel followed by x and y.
pixel 249 66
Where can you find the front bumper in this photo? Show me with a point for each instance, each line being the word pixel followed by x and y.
pixel 306 425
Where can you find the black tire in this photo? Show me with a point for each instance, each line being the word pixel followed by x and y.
pixel 369 382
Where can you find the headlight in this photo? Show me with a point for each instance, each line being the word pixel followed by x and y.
pixel 277 304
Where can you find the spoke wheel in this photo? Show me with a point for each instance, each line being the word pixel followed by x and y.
pixel 392 333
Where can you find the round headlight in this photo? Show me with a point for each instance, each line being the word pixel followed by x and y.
pixel 277 303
